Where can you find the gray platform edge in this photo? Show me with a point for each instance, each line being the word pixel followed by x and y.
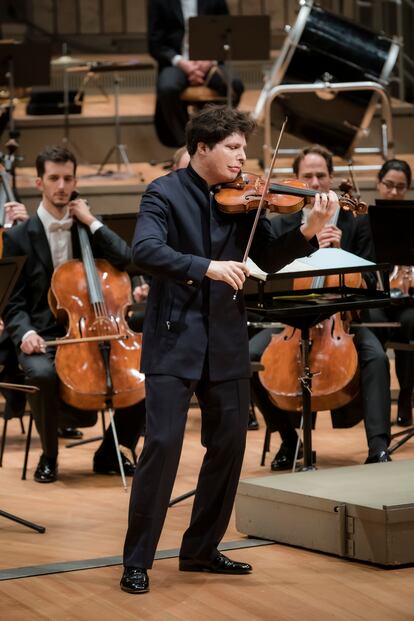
pixel 109 561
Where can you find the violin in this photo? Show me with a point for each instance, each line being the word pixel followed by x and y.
pixel 289 196
pixel 98 360
pixel 402 281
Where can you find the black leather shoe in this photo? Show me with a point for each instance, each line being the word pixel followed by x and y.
pixel 219 565
pixel 253 424
pixel 103 465
pixel 46 471
pixel 135 580
pixel 285 456
pixel 69 432
pixel 405 420
pixel 378 458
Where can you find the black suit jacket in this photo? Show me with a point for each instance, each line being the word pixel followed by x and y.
pixel 28 308
pixel 166 26
pixel 192 321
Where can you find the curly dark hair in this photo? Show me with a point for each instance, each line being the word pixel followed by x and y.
pixel 56 154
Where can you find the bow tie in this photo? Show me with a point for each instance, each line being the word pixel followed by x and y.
pixel 65 225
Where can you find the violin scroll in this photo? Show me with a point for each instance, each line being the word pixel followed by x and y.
pixel 349 202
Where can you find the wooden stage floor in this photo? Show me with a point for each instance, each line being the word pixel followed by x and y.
pixel 85 516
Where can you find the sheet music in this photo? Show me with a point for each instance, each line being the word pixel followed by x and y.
pixel 324 258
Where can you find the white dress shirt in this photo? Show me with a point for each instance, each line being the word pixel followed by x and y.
pixel 189 8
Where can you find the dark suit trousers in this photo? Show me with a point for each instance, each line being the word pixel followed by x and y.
pixel 49 411
pixel 171 113
pixel 224 416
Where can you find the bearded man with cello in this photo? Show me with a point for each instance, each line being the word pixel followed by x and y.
pixel 47 240
pixel 314 166
pixel 195 338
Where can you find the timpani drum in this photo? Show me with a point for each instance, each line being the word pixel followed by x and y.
pixel 322 46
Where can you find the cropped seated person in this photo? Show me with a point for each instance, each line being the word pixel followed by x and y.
pixel 9 368
pixel 314 166
pixel 394 179
pixel 46 240
pixel 168 45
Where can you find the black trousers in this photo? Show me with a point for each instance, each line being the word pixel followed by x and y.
pixel 224 416
pixel 171 113
pixel 374 398
pixel 49 411
pixel 404 360
pixel 10 372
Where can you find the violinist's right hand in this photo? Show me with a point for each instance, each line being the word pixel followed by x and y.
pixel 33 344
pixel 323 208
pixel 234 273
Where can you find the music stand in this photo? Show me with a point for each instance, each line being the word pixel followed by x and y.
pixel 392 224
pixel 306 308
pixel 10 269
pixel 17 70
pixel 226 38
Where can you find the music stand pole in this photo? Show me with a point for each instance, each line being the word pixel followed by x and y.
pixel 120 149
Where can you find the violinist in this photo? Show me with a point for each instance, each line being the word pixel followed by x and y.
pixel 47 240
pixel 394 179
pixel 195 339
pixel 315 167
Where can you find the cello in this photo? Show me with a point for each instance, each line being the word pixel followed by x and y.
pixel 98 360
pixel 333 358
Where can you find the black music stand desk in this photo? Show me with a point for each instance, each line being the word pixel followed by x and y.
pixel 305 308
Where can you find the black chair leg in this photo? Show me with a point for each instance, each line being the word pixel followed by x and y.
pixel 3 440
pixel 266 446
pixel 28 441
pixel 22 425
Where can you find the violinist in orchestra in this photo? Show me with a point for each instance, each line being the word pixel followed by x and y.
pixel 314 166
pixel 48 239
pixel 195 339
pixel 394 180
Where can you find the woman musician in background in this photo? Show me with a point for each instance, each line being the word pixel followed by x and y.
pixel 394 180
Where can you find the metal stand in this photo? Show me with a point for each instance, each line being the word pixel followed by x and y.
pixel 15 518
pixel 407 434
pixel 118 148
pixel 174 501
pixel 387 140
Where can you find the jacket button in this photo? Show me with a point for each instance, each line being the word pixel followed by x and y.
pixel 190 282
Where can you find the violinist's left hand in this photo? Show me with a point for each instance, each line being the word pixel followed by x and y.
pixel 79 209
pixel 330 237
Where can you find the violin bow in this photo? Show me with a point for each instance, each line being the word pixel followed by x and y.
pixel 262 198
pixel 265 189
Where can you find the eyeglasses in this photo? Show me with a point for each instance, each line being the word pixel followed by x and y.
pixel 399 187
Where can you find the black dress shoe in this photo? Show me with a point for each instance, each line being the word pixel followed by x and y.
pixel 405 420
pixel 253 424
pixel 46 471
pixel 70 433
pixel 285 456
pixel 378 458
pixel 219 565
pixel 405 409
pixel 135 580
pixel 105 465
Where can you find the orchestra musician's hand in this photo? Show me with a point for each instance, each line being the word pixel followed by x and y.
pixel 15 212
pixel 234 273
pixel 329 237
pixel 33 344
pixel 79 209
pixel 1 327
pixel 140 293
pixel 322 210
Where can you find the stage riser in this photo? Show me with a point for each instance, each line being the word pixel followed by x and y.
pixel 307 515
pixel 93 139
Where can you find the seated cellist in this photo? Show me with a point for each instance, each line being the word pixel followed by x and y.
pixel 46 240
pixel 315 167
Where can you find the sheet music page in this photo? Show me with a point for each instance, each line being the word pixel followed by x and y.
pixel 324 258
